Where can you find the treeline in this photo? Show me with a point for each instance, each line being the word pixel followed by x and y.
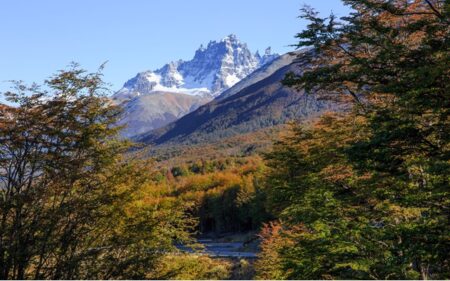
pixel 226 196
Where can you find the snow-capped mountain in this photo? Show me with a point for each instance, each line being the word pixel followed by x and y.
pixel 257 102
pixel 214 69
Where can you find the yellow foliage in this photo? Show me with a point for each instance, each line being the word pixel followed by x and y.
pixel 191 267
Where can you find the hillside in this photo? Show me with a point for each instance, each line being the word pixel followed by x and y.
pixel 263 104
pixel 147 112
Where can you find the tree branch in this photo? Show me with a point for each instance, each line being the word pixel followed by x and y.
pixel 436 12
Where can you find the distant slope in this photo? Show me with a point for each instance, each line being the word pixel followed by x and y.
pixel 235 146
pixel 260 105
pixel 148 112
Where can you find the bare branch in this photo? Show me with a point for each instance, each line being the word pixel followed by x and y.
pixel 436 12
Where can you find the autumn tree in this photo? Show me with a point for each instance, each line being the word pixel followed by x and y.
pixel 67 197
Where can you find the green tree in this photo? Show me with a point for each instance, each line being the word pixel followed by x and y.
pixel 391 60
pixel 327 228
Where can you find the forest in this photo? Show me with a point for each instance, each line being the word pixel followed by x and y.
pixel 360 193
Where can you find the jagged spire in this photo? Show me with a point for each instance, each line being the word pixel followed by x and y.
pixel 231 38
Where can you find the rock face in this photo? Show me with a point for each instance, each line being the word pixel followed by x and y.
pixel 153 99
pixel 261 73
pixel 257 102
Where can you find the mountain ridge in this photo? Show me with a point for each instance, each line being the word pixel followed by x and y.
pixel 153 99
pixel 259 105
pixel 212 70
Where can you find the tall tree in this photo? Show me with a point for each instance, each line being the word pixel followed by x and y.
pixel 327 228
pixel 391 60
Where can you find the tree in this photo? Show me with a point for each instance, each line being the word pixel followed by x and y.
pixel 269 265
pixel 391 60
pixel 67 197
pixel 327 228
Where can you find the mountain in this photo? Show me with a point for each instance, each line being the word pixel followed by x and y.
pixel 153 99
pixel 250 107
pixel 212 70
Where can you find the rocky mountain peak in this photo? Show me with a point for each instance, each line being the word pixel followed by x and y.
pixel 231 38
pixel 211 71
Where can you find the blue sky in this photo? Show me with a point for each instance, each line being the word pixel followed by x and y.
pixel 40 37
